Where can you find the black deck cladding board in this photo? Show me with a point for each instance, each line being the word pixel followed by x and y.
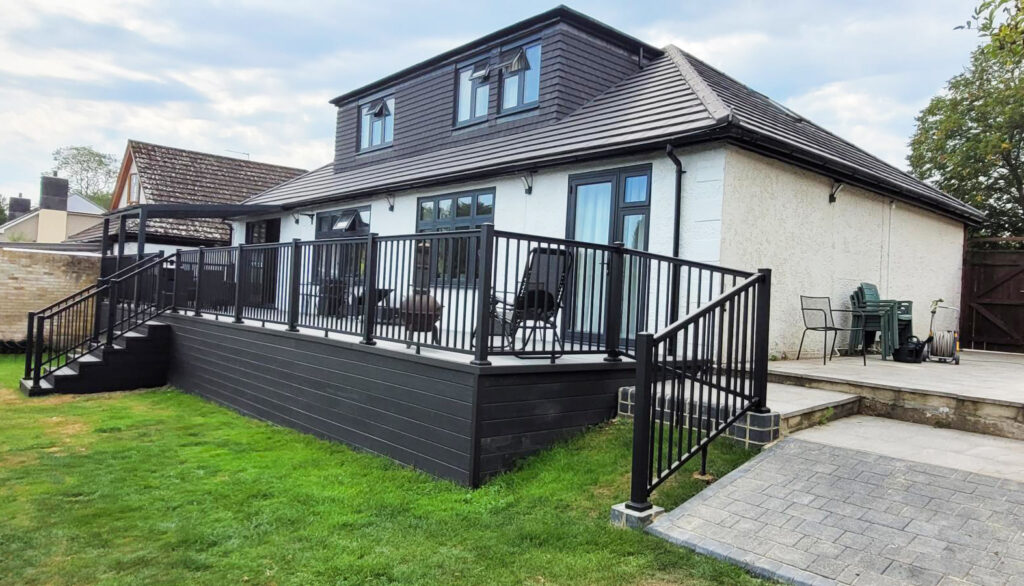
pixel 309 350
pixel 343 382
pixel 518 409
pixel 373 422
pixel 544 422
pixel 323 428
pixel 429 425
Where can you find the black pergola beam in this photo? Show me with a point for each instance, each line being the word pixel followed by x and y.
pixel 185 210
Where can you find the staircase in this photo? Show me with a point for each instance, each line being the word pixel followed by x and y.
pixel 138 359
pixel 103 338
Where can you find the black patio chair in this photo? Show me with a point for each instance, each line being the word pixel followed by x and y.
pixel 537 301
pixel 818 317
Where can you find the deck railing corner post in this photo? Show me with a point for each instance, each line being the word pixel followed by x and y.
pixel 640 472
pixel 370 290
pixel 29 335
pixel 761 321
pixel 175 281
pixel 200 264
pixel 482 340
pixel 112 295
pixel 613 301
pixel 293 285
pixel 238 284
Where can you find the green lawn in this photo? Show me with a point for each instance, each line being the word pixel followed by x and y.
pixel 159 486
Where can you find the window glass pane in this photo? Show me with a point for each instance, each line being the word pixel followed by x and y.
pixel 377 134
pixel 444 209
pixel 426 211
pixel 483 95
pixel 465 94
pixel 485 204
pixel 593 212
pixel 464 207
pixel 389 121
pixel 510 92
pixel 634 228
pixel 531 79
pixel 636 189
pixel 364 127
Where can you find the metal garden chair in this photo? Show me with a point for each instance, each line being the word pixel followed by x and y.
pixel 819 317
pixel 537 301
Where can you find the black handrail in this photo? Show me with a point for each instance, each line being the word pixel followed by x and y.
pixel 695 379
pixel 62 333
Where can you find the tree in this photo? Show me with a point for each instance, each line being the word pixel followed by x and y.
pixel 3 210
pixel 90 173
pixel 1001 23
pixel 969 141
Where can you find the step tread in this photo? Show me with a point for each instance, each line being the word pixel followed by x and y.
pixel 794 400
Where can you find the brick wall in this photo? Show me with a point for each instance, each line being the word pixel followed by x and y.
pixel 30 280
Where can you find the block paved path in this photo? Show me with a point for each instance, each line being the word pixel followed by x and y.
pixel 805 512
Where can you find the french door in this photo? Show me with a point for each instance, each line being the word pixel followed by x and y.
pixel 606 207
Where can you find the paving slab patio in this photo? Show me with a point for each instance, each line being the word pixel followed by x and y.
pixel 805 511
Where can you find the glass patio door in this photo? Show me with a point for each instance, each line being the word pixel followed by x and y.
pixel 606 207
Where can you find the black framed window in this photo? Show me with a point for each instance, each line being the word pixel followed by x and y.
pixel 455 211
pixel 452 261
pixel 343 223
pixel 263 231
pixel 376 124
pixel 520 78
pixel 473 93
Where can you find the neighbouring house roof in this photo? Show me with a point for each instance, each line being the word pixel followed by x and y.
pixel 676 100
pixel 178 176
pixel 80 205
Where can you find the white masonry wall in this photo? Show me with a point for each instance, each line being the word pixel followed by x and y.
pixel 778 216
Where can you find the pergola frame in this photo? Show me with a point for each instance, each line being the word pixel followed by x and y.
pixel 145 212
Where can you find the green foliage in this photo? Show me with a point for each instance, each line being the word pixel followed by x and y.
pixel 91 174
pixel 1001 24
pixel 969 142
pixel 163 487
pixel 3 209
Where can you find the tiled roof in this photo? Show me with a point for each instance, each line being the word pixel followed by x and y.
pixel 676 99
pixel 171 175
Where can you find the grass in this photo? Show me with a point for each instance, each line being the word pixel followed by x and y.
pixel 163 487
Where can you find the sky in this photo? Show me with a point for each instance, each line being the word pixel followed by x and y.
pixel 255 76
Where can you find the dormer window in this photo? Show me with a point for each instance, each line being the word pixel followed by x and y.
pixel 376 123
pixel 474 93
pixel 520 78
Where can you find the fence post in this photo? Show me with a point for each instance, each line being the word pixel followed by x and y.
pixel 762 311
pixel 112 293
pixel 613 307
pixel 293 287
pixel 177 281
pixel 640 475
pixel 28 344
pixel 370 291
pixel 199 281
pixel 238 285
pixel 483 297
pixel 37 368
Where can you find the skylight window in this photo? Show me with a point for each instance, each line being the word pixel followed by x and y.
pixel 520 78
pixel 376 123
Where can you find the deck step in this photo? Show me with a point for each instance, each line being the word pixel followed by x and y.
pixel 803 407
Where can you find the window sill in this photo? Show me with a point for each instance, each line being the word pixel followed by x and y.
pixel 527 109
pixel 469 124
pixel 375 149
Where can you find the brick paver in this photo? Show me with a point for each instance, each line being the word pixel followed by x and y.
pixel 808 513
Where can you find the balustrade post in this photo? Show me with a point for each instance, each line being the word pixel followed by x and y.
pixel 293 286
pixel 112 293
pixel 239 298
pixel 97 313
pixel 482 341
pixel 613 304
pixel 370 291
pixel 200 263
pixel 640 474
pixel 761 315
pixel 28 344
pixel 176 282
pixel 37 369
